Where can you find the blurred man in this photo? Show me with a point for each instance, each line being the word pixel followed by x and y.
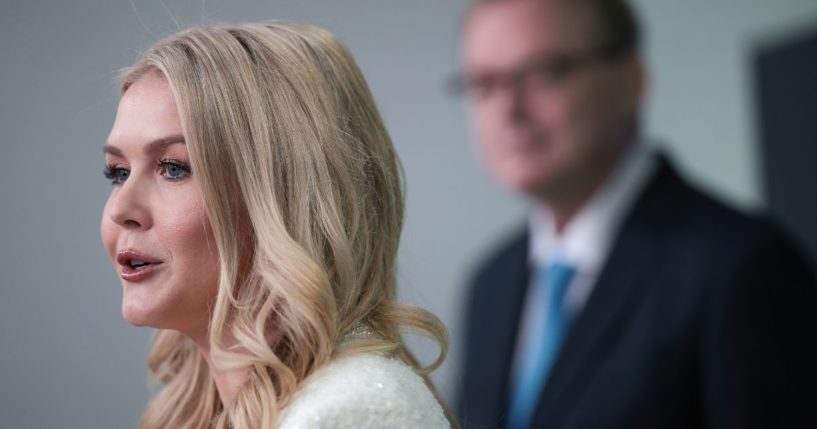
pixel 631 299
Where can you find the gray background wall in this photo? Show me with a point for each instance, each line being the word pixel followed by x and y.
pixel 66 357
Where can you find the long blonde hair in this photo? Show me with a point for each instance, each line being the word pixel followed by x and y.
pixel 303 192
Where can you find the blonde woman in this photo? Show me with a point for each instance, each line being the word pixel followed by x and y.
pixel 254 219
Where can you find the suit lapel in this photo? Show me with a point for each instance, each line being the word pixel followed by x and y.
pixel 633 259
pixel 504 288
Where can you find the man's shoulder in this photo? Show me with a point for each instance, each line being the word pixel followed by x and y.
pixel 510 251
pixel 697 228
pixel 699 216
pixel 685 212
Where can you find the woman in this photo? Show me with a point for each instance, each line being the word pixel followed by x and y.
pixel 254 219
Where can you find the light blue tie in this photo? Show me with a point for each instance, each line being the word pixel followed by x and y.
pixel 537 357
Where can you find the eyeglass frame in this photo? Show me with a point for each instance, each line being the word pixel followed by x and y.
pixel 555 68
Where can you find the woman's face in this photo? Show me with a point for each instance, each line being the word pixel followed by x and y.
pixel 154 225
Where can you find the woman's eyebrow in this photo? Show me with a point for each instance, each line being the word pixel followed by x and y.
pixel 151 148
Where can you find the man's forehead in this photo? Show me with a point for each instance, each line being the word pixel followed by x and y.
pixel 510 30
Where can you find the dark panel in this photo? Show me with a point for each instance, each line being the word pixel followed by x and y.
pixel 786 79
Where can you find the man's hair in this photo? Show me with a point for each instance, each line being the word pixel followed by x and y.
pixel 619 30
pixel 618 24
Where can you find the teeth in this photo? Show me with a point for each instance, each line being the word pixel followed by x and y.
pixel 136 263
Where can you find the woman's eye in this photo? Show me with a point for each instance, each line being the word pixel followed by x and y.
pixel 117 175
pixel 174 170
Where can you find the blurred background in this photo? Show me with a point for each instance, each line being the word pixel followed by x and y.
pixel 733 99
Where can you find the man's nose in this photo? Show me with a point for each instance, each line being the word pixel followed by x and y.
pixel 514 99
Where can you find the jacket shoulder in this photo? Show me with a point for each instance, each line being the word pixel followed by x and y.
pixel 690 216
pixel 511 252
pixel 364 391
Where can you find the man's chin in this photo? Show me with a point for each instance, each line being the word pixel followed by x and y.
pixel 532 184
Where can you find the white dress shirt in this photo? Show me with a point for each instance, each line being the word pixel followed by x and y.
pixel 585 241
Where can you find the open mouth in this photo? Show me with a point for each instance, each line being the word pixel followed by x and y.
pixel 135 265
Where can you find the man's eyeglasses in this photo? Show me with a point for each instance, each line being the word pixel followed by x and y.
pixel 542 73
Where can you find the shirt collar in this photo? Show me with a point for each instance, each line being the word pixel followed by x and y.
pixel 586 238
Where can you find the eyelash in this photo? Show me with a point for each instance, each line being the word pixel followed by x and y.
pixel 112 171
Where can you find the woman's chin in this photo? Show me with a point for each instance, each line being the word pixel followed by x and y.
pixel 137 315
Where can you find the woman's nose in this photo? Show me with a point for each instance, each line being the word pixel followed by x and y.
pixel 129 208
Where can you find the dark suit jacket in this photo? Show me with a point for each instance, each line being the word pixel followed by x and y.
pixel 701 318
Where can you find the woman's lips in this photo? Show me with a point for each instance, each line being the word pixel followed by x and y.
pixel 132 274
pixel 136 266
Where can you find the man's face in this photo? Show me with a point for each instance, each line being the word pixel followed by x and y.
pixel 549 113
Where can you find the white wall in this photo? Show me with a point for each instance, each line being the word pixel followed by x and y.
pixel 702 104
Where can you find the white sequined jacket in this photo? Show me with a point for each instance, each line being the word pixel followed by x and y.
pixel 364 391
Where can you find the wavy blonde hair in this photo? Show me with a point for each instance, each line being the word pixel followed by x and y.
pixel 303 192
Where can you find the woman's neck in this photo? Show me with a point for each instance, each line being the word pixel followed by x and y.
pixel 228 381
